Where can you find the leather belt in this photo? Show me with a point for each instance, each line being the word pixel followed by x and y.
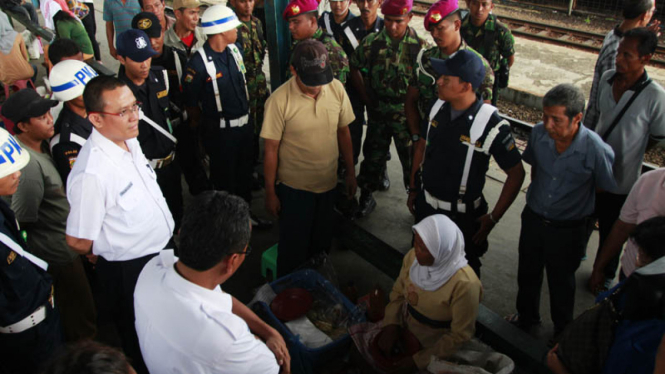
pixel 238 122
pixel 558 224
pixel 447 206
pixel 34 319
pixel 162 162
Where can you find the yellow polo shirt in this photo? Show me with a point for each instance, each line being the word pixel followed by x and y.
pixel 307 131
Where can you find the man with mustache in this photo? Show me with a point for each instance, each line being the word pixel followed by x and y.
pixel 151 89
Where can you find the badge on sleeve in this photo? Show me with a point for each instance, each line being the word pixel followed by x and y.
pixel 11 257
pixel 189 78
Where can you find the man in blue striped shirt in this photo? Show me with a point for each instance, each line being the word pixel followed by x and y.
pixel 118 15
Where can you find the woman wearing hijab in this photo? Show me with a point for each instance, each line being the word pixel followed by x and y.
pixel 14 65
pixel 436 296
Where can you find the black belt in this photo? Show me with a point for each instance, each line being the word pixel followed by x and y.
pixel 426 321
pixel 558 224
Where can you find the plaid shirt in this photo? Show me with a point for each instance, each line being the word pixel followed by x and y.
pixel 606 61
pixel 78 8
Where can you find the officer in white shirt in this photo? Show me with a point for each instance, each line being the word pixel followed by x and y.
pixel 117 210
pixel 185 322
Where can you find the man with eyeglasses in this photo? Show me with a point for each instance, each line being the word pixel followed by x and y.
pixel 118 214
pixel 185 322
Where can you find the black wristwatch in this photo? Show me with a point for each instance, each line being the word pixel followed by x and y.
pixel 415 137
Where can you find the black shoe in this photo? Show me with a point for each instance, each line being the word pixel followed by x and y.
pixel 385 183
pixel 259 223
pixel 366 205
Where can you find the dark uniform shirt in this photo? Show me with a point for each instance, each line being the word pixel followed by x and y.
pixel 445 153
pixel 24 287
pixel 154 100
pixel 197 85
pixel 337 29
pixel 71 132
pixel 493 40
pixel 358 29
pixel 167 60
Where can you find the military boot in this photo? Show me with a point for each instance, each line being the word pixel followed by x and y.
pixel 366 205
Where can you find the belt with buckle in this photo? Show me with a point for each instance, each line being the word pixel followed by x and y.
pixel 34 319
pixel 238 122
pixel 447 206
pixel 558 224
pixel 159 163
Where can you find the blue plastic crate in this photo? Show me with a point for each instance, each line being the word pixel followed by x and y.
pixel 303 359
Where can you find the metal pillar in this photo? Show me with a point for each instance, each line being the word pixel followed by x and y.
pixel 279 41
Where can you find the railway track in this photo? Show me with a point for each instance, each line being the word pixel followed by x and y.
pixel 588 41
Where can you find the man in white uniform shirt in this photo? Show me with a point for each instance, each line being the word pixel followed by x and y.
pixel 186 324
pixel 117 210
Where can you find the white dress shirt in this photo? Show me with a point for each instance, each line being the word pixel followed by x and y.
pixel 185 328
pixel 115 201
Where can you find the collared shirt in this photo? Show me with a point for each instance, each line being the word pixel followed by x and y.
pixel 358 29
pixel 496 50
pixel 115 201
pixel 645 200
pixel 445 153
pixel 121 14
pixel 184 328
pixel 197 85
pixel 644 118
pixel 336 29
pixel 563 186
pixel 71 132
pixel 606 61
pixel 173 40
pixel 307 131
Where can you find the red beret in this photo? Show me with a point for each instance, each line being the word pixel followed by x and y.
pixel 298 7
pixel 438 11
pixel 396 7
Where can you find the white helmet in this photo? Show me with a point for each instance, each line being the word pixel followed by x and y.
pixel 12 157
pixel 218 19
pixel 68 79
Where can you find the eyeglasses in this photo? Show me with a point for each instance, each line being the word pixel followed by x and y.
pixel 125 112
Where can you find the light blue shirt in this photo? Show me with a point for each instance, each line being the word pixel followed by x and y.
pixel 563 185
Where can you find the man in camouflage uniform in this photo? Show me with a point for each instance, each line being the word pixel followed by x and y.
pixel 253 42
pixel 443 22
pixel 303 24
pixel 333 22
pixel 381 67
pixel 483 32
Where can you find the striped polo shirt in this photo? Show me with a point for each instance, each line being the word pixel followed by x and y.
pixel 121 14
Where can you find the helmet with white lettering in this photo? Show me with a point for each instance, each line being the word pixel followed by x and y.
pixel 68 79
pixel 12 156
pixel 218 19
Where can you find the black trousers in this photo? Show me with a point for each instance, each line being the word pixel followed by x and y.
pixel 608 209
pixel 26 352
pixel 467 223
pixel 117 280
pixel 190 159
pixel 558 250
pixel 305 226
pixel 91 29
pixel 356 127
pixel 231 163
pixel 169 180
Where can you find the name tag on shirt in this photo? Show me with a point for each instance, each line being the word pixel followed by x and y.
pixel 161 94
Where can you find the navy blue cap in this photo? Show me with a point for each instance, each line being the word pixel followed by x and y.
pixel 135 45
pixel 463 64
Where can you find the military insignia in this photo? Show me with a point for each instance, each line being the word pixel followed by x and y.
pixel 295 10
pixel 161 94
pixel 11 257
pixel 435 124
pixel 144 24
pixel 405 10
pixel 71 162
pixel 141 43
pixel 435 17
pixel 189 78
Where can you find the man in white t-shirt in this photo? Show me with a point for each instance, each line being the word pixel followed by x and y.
pixel 185 322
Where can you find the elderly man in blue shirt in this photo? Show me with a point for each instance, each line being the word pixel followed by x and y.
pixel 568 163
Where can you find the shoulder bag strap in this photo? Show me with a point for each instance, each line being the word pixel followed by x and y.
pixel 625 109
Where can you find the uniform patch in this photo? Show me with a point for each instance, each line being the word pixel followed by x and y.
pixel 466 140
pixel 144 23
pixel 435 124
pixel 11 257
pixel 509 143
pixel 189 78
pixel 161 94
pixel 219 75
pixel 72 160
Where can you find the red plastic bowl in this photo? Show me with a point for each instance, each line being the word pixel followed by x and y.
pixel 292 303
pixel 410 344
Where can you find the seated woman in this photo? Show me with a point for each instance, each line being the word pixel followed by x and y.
pixel 641 304
pixel 436 296
pixel 69 27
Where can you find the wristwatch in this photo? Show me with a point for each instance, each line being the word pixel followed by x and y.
pixel 415 137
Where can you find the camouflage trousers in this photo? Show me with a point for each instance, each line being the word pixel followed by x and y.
pixel 382 129
pixel 256 108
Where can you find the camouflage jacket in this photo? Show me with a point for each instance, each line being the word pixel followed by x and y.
pixel 493 40
pixel 424 77
pixel 250 37
pixel 338 59
pixel 386 66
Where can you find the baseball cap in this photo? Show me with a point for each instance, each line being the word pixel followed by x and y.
pixel 396 7
pixel 439 11
pixel 310 60
pixel 179 4
pixel 463 64
pixel 26 104
pixel 149 23
pixel 135 45
pixel 297 7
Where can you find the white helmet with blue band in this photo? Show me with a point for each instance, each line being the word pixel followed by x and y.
pixel 218 19
pixel 12 156
pixel 68 79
